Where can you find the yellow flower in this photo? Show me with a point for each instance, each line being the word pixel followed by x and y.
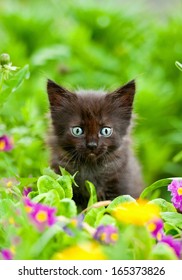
pixel 136 213
pixel 9 184
pixel 85 251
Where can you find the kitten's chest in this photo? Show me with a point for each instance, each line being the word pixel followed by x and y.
pixel 104 179
pixel 96 173
pixel 90 173
pixel 81 194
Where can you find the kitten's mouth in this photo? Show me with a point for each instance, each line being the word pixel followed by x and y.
pixel 92 155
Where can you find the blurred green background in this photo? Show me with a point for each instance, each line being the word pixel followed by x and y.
pixel 95 44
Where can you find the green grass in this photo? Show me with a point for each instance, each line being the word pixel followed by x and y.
pixel 84 44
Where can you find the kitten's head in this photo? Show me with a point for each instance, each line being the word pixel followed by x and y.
pixel 90 124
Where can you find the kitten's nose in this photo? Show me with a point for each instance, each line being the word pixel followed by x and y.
pixel 92 145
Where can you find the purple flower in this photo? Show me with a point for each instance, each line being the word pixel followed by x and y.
pixel 175 244
pixel 26 191
pixel 155 227
pixel 106 233
pixel 176 191
pixel 5 144
pixel 29 204
pixel 41 215
pixel 75 222
pixel 7 254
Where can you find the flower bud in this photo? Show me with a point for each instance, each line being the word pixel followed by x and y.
pixel 4 59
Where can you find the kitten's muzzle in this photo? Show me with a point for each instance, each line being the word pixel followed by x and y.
pixel 92 145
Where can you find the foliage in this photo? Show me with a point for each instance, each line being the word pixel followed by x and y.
pixel 88 44
pixel 45 223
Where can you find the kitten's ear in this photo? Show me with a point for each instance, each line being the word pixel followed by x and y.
pixel 125 94
pixel 57 93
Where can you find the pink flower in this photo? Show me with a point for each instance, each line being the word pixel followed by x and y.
pixel 5 144
pixel 7 254
pixel 155 227
pixel 176 191
pixel 26 191
pixel 41 215
pixel 29 204
pixel 175 244
pixel 106 233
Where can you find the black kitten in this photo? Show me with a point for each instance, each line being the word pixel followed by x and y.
pixel 91 135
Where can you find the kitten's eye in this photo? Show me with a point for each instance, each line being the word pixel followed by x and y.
pixel 106 131
pixel 77 131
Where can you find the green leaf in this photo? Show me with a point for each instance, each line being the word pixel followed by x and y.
pixel 4 96
pixel 164 205
pixel 19 77
pixel 52 198
pixel 178 65
pixel 16 190
pixel 66 183
pixel 48 171
pixel 6 206
pixel 39 198
pixel 33 194
pixel 170 229
pixel 118 200
pixel 94 215
pixel 119 250
pixel 67 208
pixel 162 252
pixel 46 183
pixel 14 83
pixel 92 191
pixel 25 181
pixel 64 172
pixel 43 240
pixel 173 218
pixel 178 157
pixel 139 240
pixel 158 184
pixel 105 220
